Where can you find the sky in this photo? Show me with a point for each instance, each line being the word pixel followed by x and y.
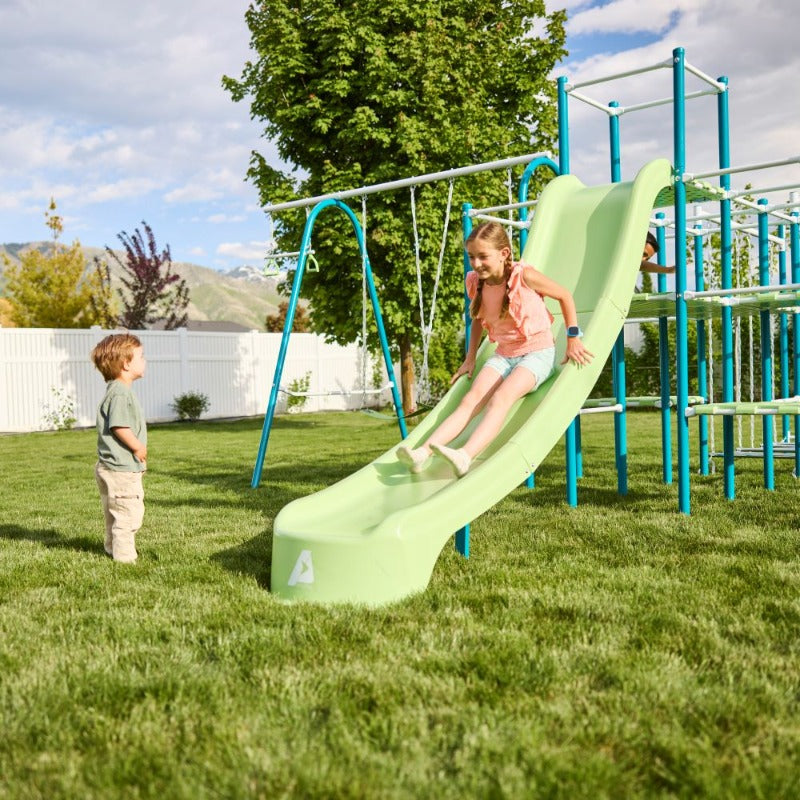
pixel 116 110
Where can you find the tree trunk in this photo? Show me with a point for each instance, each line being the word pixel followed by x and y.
pixel 407 374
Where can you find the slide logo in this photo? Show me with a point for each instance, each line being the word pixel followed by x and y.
pixel 303 571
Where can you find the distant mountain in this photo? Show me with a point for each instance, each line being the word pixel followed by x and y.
pixel 243 295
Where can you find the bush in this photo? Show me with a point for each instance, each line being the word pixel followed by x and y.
pixel 59 414
pixel 295 403
pixel 190 405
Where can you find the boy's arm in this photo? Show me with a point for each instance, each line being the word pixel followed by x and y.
pixel 128 438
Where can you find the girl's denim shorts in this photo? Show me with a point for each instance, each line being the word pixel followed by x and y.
pixel 540 362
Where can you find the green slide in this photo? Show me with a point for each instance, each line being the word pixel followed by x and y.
pixel 374 537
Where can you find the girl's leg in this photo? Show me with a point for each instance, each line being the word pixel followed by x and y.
pixel 482 390
pixel 483 387
pixel 518 383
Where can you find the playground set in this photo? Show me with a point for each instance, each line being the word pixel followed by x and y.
pixel 375 536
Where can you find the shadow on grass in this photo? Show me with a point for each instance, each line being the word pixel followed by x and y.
pixel 279 485
pixel 252 558
pixel 52 538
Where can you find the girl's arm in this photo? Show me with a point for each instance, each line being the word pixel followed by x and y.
pixel 468 366
pixel 549 288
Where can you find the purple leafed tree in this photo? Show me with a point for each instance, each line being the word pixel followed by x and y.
pixel 153 292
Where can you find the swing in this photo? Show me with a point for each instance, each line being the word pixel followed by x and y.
pixel 272 263
pixel 426 326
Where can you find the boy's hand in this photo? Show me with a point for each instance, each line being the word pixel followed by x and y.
pixel 577 352
pixel 467 368
pixel 141 454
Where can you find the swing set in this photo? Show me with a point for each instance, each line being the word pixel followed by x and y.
pixel 303 260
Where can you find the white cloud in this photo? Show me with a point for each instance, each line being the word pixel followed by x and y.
pixel 625 16
pixel 252 251
pixel 219 219
pixel 126 188
pixel 752 43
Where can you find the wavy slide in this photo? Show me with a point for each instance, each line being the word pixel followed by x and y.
pixel 374 537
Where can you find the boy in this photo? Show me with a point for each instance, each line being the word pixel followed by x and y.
pixel 121 444
pixel 650 249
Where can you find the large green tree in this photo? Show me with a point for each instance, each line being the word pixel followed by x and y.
pixel 358 92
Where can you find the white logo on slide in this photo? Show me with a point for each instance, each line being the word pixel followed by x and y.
pixel 303 571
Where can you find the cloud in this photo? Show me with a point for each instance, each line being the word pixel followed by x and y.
pixel 252 251
pixel 219 219
pixel 126 188
pixel 752 43
pixel 625 16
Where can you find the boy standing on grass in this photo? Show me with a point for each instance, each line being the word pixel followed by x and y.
pixel 121 444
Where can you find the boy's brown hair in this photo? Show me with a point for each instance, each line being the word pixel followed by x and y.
pixel 113 353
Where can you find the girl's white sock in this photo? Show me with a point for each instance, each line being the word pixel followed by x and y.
pixel 414 459
pixel 458 458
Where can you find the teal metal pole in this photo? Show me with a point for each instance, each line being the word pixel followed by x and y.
pixel 462 534
pixel 726 262
pixel 766 347
pixel 664 371
pixel 681 324
pixel 794 240
pixel 618 352
pixel 522 197
pixel 783 336
pixel 305 245
pixel 702 364
pixel 563 169
pixel 563 127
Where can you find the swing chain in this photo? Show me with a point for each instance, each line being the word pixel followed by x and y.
pixel 426 326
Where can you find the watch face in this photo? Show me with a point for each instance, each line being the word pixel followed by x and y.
pixel 573 330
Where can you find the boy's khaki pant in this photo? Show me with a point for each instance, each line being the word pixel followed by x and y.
pixel 122 498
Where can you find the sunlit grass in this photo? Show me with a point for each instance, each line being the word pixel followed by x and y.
pixel 618 649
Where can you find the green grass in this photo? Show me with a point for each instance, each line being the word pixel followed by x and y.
pixel 619 649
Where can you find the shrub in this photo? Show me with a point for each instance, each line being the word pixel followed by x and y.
pixel 60 413
pixel 293 402
pixel 190 405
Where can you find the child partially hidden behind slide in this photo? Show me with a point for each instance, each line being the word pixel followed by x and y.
pixel 507 298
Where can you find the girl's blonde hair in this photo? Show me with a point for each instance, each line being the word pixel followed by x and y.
pixel 494 234
pixel 112 353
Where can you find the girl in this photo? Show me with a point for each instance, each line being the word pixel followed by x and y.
pixel 507 299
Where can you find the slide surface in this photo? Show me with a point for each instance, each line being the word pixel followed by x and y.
pixel 375 536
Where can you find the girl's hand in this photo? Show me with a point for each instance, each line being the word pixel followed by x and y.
pixel 467 368
pixel 576 352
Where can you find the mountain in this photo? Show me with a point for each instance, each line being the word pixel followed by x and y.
pixel 243 295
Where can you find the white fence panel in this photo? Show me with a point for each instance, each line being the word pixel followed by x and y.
pixel 235 370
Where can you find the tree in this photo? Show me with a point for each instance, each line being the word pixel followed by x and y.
pixel 361 93
pixel 50 287
pixel 153 292
pixel 274 322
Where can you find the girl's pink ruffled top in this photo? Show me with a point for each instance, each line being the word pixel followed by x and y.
pixel 526 327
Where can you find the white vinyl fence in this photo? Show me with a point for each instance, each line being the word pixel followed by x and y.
pixel 235 371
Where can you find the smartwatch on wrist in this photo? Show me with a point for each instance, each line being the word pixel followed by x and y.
pixel 573 331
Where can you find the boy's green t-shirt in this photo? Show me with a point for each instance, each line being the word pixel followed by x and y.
pixel 119 409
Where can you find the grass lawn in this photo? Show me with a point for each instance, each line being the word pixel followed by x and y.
pixel 619 649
